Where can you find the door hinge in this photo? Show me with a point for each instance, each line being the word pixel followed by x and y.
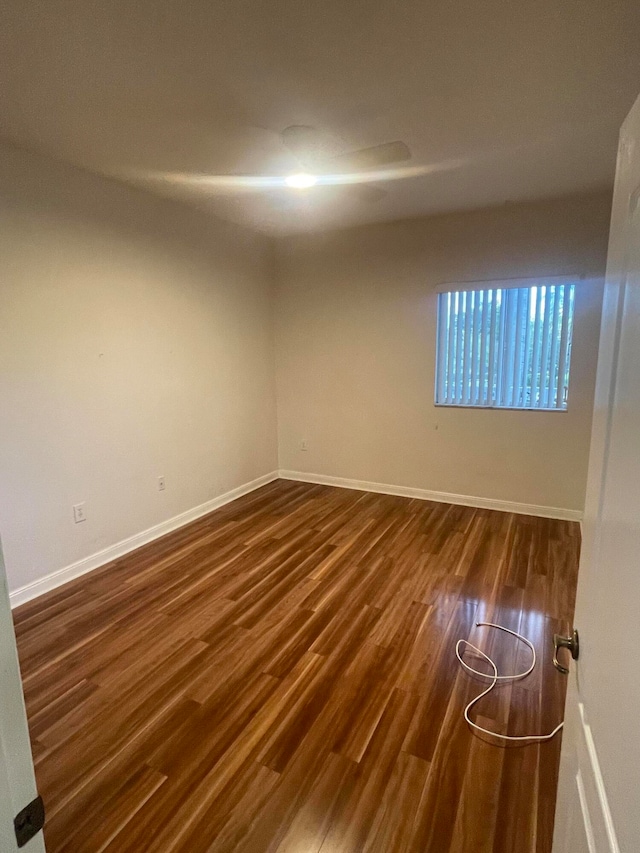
pixel 29 821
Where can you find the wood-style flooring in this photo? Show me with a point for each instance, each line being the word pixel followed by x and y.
pixel 280 676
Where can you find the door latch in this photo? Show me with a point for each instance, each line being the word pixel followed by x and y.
pixel 572 643
pixel 29 821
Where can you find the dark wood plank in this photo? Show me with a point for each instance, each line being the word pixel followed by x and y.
pixel 280 676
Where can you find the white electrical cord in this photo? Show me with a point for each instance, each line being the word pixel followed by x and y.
pixel 494 680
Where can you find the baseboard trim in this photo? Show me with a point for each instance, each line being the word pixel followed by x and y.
pixel 440 497
pixel 94 561
pixel 113 552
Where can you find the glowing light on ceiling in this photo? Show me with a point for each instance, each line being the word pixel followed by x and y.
pixel 232 184
pixel 301 181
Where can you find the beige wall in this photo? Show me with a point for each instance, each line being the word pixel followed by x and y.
pixel 355 342
pixel 135 341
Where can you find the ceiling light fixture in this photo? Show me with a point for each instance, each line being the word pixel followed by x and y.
pixel 301 181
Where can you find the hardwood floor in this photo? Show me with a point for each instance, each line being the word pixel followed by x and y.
pixel 280 676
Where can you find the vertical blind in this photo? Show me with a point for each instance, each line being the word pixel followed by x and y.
pixel 505 347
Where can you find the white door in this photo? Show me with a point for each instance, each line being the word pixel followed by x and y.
pixel 598 808
pixel 17 780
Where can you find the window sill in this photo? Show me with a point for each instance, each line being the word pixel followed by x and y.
pixel 498 408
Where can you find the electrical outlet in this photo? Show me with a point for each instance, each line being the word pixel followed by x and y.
pixel 79 513
pixel 161 484
pixel 304 444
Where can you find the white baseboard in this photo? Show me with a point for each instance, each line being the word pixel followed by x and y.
pixel 440 497
pixel 113 552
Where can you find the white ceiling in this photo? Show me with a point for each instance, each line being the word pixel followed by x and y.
pixel 499 100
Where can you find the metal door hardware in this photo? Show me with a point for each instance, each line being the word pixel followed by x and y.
pixel 572 643
pixel 29 821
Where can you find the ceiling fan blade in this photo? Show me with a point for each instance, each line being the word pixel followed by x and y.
pixel 369 158
pixel 366 193
pixel 307 144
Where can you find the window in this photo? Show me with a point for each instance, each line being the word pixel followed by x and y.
pixel 505 347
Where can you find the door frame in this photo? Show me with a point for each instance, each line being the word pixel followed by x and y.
pixel 17 776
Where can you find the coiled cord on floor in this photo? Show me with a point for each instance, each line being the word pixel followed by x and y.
pixel 495 678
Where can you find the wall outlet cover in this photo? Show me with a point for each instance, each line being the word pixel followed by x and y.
pixel 79 513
